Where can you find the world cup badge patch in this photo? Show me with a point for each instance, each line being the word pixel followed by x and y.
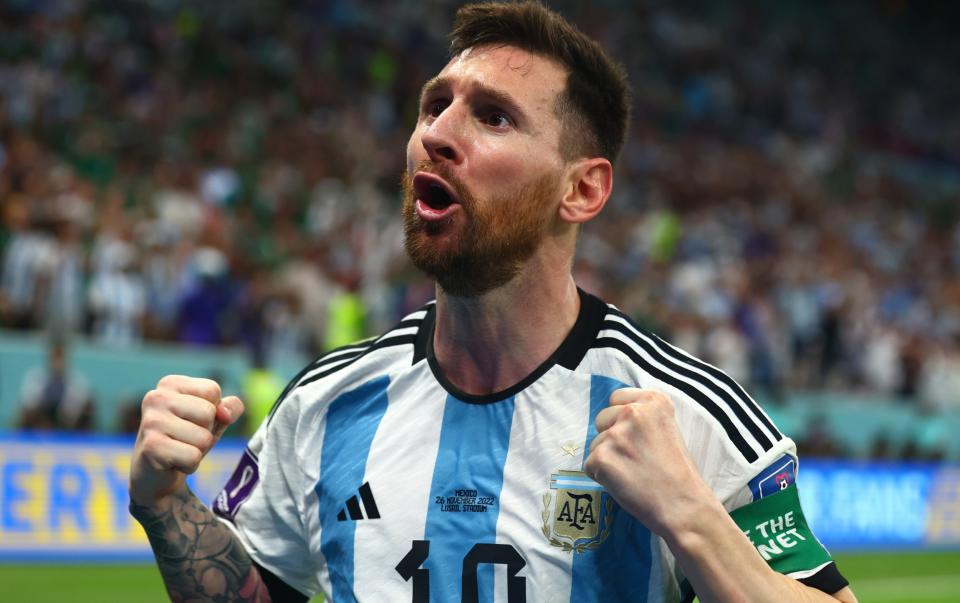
pixel 577 513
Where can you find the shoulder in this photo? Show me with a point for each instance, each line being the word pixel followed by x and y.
pixel 710 404
pixel 350 366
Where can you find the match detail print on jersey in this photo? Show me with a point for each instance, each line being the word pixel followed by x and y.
pixel 474 439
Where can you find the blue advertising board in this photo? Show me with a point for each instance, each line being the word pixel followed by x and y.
pixel 64 498
pixel 881 505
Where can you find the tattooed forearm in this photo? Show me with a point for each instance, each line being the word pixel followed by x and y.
pixel 200 559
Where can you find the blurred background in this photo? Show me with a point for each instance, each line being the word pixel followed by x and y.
pixel 212 188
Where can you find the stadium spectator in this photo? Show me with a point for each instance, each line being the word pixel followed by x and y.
pixel 206 305
pixel 939 383
pixel 118 299
pixel 60 279
pixel 27 251
pixel 54 397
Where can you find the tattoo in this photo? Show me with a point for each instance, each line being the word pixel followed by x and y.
pixel 199 558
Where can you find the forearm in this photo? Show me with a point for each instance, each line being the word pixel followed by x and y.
pixel 199 557
pixel 723 566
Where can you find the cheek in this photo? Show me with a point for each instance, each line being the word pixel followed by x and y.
pixel 507 167
pixel 410 160
pixel 415 152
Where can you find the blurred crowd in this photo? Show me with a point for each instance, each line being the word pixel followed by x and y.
pixel 227 173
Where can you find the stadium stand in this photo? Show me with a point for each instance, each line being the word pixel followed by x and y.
pixel 222 176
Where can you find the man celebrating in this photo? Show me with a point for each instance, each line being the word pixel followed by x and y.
pixel 517 440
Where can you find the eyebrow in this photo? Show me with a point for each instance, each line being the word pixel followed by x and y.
pixel 497 96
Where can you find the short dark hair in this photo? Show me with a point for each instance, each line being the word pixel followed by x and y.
pixel 595 108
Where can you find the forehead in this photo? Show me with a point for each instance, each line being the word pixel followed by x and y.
pixel 533 80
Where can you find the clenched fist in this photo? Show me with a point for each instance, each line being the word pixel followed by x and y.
pixel 181 421
pixel 641 460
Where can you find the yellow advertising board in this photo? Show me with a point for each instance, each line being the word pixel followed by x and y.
pixel 64 498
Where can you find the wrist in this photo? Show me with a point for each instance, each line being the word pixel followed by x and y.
pixel 686 525
pixel 151 506
pixel 142 510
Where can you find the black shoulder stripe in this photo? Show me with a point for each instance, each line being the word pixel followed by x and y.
pixel 348 353
pixel 339 353
pixel 404 324
pixel 355 349
pixel 424 334
pixel 359 347
pixel 728 427
pixel 713 371
pixel 379 344
pixel 735 405
pixel 340 357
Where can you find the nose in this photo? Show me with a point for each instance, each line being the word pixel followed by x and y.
pixel 443 138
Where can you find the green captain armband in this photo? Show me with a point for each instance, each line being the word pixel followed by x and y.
pixel 777 528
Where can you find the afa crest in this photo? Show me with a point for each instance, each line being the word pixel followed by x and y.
pixel 578 515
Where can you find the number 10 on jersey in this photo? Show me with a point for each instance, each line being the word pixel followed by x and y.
pixel 482 552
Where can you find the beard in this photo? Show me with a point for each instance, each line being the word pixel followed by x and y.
pixel 497 237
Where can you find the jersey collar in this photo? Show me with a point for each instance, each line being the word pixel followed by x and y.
pixel 568 355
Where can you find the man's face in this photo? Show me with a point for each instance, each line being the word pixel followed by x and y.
pixel 484 170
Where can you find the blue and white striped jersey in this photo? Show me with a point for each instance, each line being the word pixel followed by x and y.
pixel 376 479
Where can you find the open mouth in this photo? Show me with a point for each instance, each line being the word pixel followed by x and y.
pixel 435 198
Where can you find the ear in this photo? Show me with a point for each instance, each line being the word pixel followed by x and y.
pixel 589 184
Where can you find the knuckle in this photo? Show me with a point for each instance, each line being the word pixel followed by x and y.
pixel 631 412
pixel 154 397
pixel 597 459
pixel 206 440
pixel 150 423
pixel 194 456
pixel 152 443
pixel 207 413
pixel 211 388
pixel 622 434
pixel 169 382
pixel 660 399
pixel 618 437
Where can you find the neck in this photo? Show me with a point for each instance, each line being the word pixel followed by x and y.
pixel 489 343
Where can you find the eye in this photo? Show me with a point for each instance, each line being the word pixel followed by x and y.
pixel 497 119
pixel 434 108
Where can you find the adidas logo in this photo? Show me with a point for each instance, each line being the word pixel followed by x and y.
pixel 353 506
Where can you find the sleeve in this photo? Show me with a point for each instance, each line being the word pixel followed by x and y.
pixel 769 511
pixel 263 501
pixel 759 492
